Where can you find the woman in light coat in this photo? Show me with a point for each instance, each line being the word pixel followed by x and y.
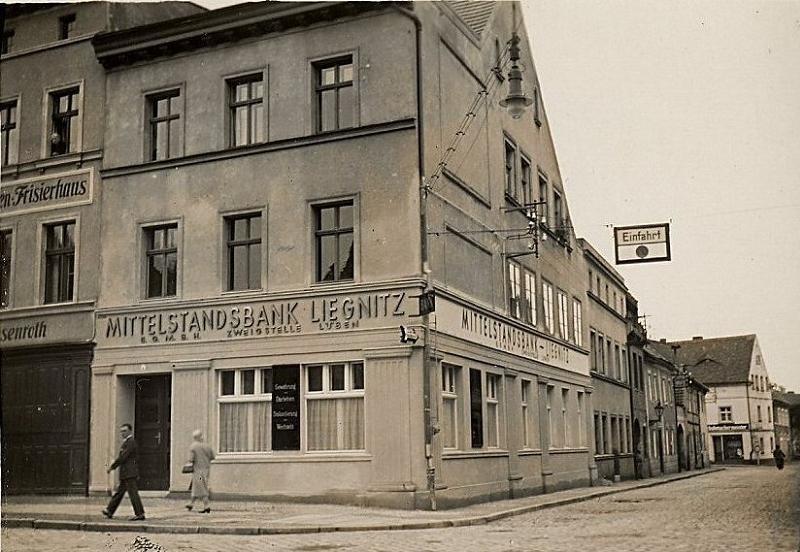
pixel 200 455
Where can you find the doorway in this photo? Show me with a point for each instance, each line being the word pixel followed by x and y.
pixel 152 406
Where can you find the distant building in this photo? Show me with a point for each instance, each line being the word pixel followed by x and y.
pixel 637 339
pixel 739 400
pixel 787 433
pixel 662 415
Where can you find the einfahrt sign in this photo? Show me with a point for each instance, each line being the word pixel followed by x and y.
pixel 646 243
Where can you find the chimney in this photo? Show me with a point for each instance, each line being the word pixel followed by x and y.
pixel 697 338
pixel 662 340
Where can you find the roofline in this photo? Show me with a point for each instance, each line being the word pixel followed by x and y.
pixel 591 252
pixel 712 338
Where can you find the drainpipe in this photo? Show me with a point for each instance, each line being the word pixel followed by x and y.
pixel 425 268
pixel 749 420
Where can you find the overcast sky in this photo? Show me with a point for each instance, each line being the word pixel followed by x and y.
pixel 689 113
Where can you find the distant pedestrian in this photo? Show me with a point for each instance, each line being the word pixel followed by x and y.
pixel 200 456
pixel 128 475
pixel 779 456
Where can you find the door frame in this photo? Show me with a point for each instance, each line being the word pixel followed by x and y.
pixel 168 376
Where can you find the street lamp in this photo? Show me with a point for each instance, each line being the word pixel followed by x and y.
pixel 516 101
pixel 659 408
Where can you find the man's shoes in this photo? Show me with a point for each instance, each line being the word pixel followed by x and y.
pixel 108 514
pixel 136 518
pixel 206 511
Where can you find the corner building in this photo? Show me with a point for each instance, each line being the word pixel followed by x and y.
pixel 264 237
pixel 51 101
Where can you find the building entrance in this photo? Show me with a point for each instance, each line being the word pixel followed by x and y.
pixel 153 397
pixel 728 449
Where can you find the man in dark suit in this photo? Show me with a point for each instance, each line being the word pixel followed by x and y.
pixel 128 474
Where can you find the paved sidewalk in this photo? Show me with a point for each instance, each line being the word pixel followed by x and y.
pixel 252 518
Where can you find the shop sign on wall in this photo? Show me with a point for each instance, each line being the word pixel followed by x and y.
pixel 728 427
pixel 477 327
pixel 41 330
pixel 46 192
pixel 646 243
pixel 253 319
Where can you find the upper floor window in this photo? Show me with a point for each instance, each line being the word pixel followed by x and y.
pixel 547 302
pixel 563 315
pixel 8 41
pixel 558 214
pixel 335 93
pixel 543 196
pixel 9 134
pixel 243 248
pixel 530 297
pixel 64 126
pixel 66 26
pixel 246 104
pixel 59 270
pixel 525 180
pixel 335 258
pixel 511 169
pixel 5 268
pixel 577 322
pixel 164 120
pixel 514 290
pixel 725 414
pixel 536 109
pixel 161 252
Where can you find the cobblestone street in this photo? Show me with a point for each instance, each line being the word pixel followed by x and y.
pixel 748 508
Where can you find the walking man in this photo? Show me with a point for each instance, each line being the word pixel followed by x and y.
pixel 128 474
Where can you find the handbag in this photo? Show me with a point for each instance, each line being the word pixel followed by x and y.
pixel 188 467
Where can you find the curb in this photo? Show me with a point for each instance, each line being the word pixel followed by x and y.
pixel 31 523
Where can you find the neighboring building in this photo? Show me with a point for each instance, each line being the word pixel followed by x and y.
pixel 608 342
pixel 51 101
pixel 662 415
pixel 264 236
pixel 786 434
pixel 690 419
pixel 739 401
pixel 637 338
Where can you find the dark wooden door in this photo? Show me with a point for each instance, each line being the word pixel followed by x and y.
pixel 152 430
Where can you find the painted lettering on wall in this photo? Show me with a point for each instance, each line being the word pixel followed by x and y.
pixel 37 330
pixel 47 192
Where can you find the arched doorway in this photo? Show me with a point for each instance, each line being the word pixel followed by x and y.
pixel 681 449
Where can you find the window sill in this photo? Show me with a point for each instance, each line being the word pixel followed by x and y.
pixel 460 454
pixel 281 457
pixel 530 452
pixel 243 293
pixel 567 450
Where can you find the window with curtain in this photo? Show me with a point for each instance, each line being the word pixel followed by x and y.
pixel 245 410
pixel 449 417
pixel 527 423
pixel 334 397
pixel 547 302
pixel 492 410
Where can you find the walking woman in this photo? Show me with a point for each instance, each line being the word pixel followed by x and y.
pixel 200 456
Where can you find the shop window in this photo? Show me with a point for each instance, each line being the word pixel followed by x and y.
pixel 725 414
pixel 335 406
pixel 66 26
pixel 449 421
pixel 243 250
pixel 476 408
pixel 59 270
pixel 161 260
pixel 547 303
pixel 335 94
pixel 5 268
pixel 577 322
pixel 9 133
pixel 64 121
pixel 606 436
pixel 165 136
pixel 492 411
pixel 758 413
pixel 598 434
pixel 563 315
pixel 510 166
pixel 551 433
pixel 564 425
pixel 581 422
pixel 245 410
pixel 334 242
pixel 246 110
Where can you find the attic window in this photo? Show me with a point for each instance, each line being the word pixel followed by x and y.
pixel 66 26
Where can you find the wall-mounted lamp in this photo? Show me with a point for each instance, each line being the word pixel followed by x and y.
pixel 516 101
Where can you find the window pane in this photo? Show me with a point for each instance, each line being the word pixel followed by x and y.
pixel 160 142
pixel 69 272
pixel 258 89
pixel 327 258
pixel 172 273
pixel 239 267
pixel 155 275
pixel 227 382
pixel 240 126
pixel 161 107
pixel 63 103
pixel 358 376
pixel 336 372
pixel 245 427
pixel 169 236
pixel 69 236
pixel 255 227
pixel 257 123
pixel 327 108
pixel 241 91
pixel 327 218
pixel 174 105
pixel 327 76
pixel 346 106
pixel 52 278
pixel 240 230
pixel 346 73
pixel 248 382
pixel 255 267
pixel 346 216
pixel 54 237
pixel 174 138
pixel 314 378
pixel 346 257
pixel 266 380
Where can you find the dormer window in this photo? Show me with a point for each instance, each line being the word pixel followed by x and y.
pixel 66 26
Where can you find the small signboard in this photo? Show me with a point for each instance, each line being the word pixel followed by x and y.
pixel 645 243
pixel 286 407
